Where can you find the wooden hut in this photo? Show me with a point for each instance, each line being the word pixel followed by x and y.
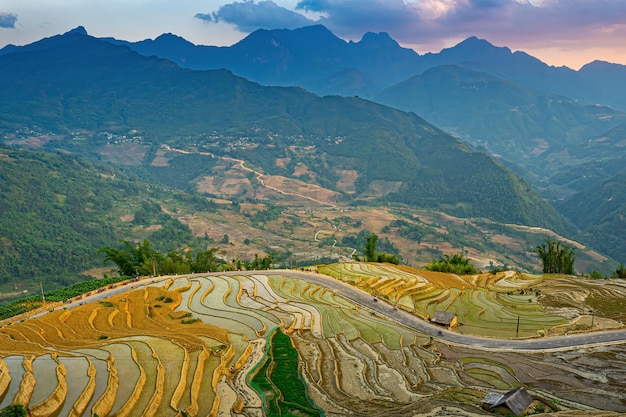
pixel 516 401
pixel 444 318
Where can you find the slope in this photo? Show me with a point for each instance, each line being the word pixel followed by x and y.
pixel 505 118
pixel 600 212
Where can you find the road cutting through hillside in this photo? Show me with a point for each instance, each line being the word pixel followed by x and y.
pixel 366 301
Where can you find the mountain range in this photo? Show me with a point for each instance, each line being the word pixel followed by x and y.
pixel 314 58
pixel 95 96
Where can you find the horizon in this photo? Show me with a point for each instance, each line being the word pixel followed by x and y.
pixel 558 32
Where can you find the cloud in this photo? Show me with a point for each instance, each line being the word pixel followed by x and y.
pixel 515 22
pixel 7 20
pixel 352 18
pixel 249 16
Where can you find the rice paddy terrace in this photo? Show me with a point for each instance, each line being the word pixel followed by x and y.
pixel 274 343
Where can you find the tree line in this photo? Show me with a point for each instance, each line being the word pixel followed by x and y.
pixel 140 258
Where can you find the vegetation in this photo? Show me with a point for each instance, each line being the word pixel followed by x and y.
pixel 279 381
pixel 139 258
pixel 24 305
pixel 455 264
pixel 15 410
pixel 59 210
pixel 620 272
pixel 556 257
pixel 371 255
pixel 53 210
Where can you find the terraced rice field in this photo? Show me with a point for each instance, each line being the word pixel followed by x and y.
pixel 507 304
pixel 256 344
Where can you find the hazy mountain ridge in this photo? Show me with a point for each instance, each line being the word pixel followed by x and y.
pixel 296 57
pixel 520 124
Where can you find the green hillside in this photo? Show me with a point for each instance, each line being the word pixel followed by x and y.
pixel 600 213
pixel 58 210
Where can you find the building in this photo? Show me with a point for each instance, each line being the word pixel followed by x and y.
pixel 516 401
pixel 444 318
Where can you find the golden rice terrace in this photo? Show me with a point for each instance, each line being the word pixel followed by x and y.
pixel 272 343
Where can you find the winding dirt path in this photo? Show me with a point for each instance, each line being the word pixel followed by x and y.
pixel 258 175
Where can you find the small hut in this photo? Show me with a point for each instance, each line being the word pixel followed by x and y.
pixel 516 401
pixel 444 318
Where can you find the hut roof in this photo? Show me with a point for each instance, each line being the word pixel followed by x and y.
pixel 517 400
pixel 443 317
pixel 492 398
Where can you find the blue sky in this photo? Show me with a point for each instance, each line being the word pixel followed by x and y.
pixel 559 32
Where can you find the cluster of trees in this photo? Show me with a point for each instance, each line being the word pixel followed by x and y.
pixel 371 255
pixel 140 258
pixel 15 410
pixel 556 257
pixel 456 264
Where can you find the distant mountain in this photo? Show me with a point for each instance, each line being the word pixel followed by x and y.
pixel 310 57
pixel 579 167
pixel 609 81
pixel 95 94
pixel 504 117
pixel 596 173
pixel 480 55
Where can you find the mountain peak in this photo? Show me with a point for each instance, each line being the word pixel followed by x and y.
pixel 476 44
pixel 169 40
pixel 80 30
pixel 379 38
pixel 597 64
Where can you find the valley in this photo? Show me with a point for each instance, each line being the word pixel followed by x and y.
pixel 240 190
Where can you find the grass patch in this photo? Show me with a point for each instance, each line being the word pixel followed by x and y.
pixel 279 381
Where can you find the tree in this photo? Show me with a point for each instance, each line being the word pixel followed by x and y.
pixel 556 257
pixel 372 256
pixel 206 261
pixel 370 248
pixel 134 258
pixel 15 410
pixel 620 272
pixel 455 264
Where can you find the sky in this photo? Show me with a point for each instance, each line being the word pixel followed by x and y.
pixel 559 32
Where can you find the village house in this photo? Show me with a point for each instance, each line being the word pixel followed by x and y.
pixel 516 401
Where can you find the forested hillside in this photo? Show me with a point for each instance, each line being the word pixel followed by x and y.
pixel 57 211
pixel 600 213
pixel 53 209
